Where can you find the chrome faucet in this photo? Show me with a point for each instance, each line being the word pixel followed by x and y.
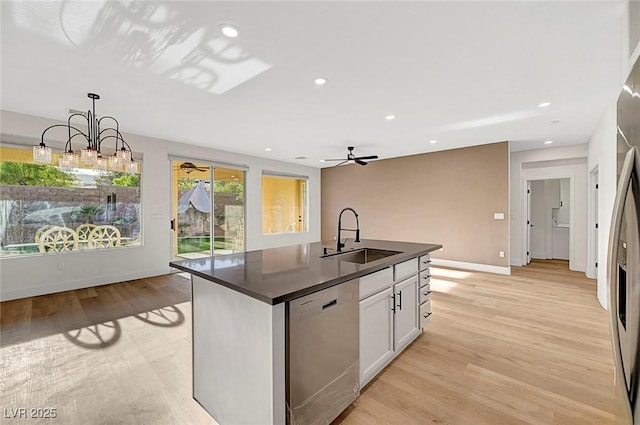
pixel 340 229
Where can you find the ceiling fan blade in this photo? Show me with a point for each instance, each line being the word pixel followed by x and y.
pixel 341 159
pixel 357 160
pixel 367 157
pixel 337 165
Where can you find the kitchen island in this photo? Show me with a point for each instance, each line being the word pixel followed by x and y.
pixel 240 314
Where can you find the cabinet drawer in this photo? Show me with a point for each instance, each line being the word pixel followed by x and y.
pixel 375 282
pixel 425 278
pixel 425 261
pixel 425 313
pixel 405 269
pixel 424 293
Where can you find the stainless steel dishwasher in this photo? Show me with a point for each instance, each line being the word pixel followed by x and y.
pixel 322 356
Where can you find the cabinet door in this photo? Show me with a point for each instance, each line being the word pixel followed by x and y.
pixel 552 187
pixel 406 318
pixel 376 334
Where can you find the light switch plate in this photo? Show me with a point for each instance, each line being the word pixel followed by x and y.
pixel 498 216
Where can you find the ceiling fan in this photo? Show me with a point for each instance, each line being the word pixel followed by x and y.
pixel 188 167
pixel 351 157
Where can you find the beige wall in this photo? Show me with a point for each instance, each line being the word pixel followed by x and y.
pixel 446 197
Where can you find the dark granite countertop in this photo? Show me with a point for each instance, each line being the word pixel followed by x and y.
pixel 278 275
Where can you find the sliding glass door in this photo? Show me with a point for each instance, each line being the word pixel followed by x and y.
pixel 207 210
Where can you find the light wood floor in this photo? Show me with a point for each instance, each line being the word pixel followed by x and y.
pixel 531 348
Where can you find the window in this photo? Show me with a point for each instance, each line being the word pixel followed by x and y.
pixel 284 204
pixel 44 208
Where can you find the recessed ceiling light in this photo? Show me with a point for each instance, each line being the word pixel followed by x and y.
pixel 390 117
pixel 555 121
pixel 320 81
pixel 229 30
pixel 322 160
pixel 544 104
pixel 548 142
pixel 267 149
pixel 433 142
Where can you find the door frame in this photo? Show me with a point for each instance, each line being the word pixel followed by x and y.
pixel 525 230
pixel 213 165
pixel 593 220
pixel 528 222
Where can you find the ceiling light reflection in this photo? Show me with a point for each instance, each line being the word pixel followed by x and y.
pixel 152 36
pixel 488 121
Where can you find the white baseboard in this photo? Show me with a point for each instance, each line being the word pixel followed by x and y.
pixel 579 268
pixel 539 255
pixel 471 266
pixel 34 291
pixel 516 262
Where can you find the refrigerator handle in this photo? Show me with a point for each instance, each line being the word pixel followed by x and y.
pixel 614 235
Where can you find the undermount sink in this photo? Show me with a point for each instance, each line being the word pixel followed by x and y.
pixel 362 256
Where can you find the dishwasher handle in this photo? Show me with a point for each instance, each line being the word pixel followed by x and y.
pixel 330 304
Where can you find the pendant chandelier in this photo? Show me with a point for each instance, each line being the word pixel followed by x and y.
pixel 91 155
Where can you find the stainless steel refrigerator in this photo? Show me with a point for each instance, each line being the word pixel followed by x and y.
pixel 624 256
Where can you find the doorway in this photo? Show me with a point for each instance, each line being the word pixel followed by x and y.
pixel 207 210
pixel 548 232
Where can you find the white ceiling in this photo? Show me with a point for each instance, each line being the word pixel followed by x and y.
pixel 460 73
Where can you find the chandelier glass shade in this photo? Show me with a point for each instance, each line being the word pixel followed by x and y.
pixel 98 133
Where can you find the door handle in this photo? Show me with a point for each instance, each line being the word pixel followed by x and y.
pixel 173 224
pixel 393 303
pixel 400 300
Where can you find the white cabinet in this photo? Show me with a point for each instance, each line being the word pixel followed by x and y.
pixel 560 243
pixel 376 334
pixel 405 320
pixel 552 189
pixel 388 316
pixel 424 291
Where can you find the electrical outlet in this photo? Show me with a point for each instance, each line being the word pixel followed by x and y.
pixel 501 254
pixel 60 266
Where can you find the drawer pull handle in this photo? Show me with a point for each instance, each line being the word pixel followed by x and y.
pixel 426 277
pixel 426 315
